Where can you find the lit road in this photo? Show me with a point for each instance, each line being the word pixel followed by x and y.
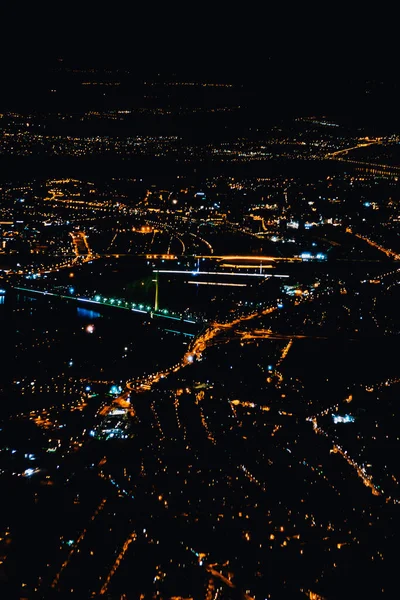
pixel 180 234
pixel 196 349
pixel 357 147
pixel 268 334
pixel 81 246
pixel 76 544
pixel 360 470
pixel 253 259
pixel 115 566
pixel 218 273
pixel 82 254
pixel 227 581
pixel 389 253
pixel 374 167
pixel 208 337
pixel 205 339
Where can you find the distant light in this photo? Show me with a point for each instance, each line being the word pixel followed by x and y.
pixel 344 419
pixel 293 224
pixel 71 290
pixel 29 472
pixel 90 329
pixel 87 388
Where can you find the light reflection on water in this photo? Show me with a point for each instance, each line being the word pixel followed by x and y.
pixel 84 313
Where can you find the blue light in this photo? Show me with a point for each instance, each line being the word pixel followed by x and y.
pixel 344 419
pixel 71 290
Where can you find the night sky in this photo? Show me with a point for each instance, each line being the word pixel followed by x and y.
pixel 298 60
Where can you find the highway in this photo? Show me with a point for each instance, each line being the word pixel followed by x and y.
pixel 364 144
pixel 205 339
pixel 389 253
pixel 196 349
pixel 227 581
pixel 383 169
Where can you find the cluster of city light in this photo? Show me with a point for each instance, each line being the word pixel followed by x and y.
pixel 343 419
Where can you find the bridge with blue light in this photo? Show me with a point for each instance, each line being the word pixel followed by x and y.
pixel 117 303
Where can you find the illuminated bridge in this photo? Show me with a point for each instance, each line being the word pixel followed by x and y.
pixel 99 300
pixel 249 260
